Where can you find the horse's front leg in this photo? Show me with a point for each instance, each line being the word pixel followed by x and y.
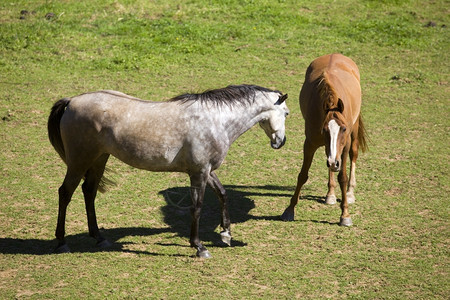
pixel 198 184
pixel 308 153
pixel 218 188
pixel 345 220
pixel 352 182
pixel 331 196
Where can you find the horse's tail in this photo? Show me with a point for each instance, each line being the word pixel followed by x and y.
pixel 362 135
pixel 54 131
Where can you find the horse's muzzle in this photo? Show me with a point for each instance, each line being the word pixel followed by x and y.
pixel 278 145
pixel 334 166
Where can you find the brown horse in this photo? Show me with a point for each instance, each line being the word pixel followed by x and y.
pixel 330 101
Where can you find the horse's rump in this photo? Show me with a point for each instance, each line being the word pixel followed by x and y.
pixel 54 134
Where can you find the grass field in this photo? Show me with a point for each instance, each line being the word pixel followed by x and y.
pixel 398 247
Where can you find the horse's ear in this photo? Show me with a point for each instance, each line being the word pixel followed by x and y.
pixel 281 99
pixel 340 106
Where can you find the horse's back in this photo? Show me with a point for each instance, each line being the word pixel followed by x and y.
pixel 96 111
pixel 342 74
pixel 334 63
pixel 133 130
pixel 102 100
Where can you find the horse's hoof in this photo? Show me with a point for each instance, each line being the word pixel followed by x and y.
pixel 288 215
pixel 226 237
pixel 346 222
pixel 104 244
pixel 203 254
pixel 330 200
pixel 64 248
pixel 350 198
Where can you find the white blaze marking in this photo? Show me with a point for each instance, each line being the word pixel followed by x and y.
pixel 334 131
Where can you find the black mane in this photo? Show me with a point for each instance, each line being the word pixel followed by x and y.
pixel 232 94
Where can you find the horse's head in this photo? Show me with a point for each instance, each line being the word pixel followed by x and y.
pixel 273 122
pixel 336 134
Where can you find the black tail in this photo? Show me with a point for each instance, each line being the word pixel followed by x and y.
pixel 54 131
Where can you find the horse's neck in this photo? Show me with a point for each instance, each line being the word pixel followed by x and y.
pixel 240 118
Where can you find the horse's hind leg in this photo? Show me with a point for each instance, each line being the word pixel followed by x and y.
pixel 218 188
pixel 65 192
pixel 90 186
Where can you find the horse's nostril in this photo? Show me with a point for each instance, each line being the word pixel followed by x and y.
pixel 328 164
pixel 337 164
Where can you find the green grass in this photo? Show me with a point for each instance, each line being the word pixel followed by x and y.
pixel 398 246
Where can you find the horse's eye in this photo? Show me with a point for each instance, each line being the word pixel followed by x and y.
pixel 344 129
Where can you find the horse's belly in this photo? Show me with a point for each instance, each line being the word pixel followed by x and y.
pixel 148 154
pixel 162 159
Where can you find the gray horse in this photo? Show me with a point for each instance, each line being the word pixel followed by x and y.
pixel 190 133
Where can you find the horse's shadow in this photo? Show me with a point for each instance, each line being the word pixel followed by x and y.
pixel 177 216
pixel 79 243
pixel 177 211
